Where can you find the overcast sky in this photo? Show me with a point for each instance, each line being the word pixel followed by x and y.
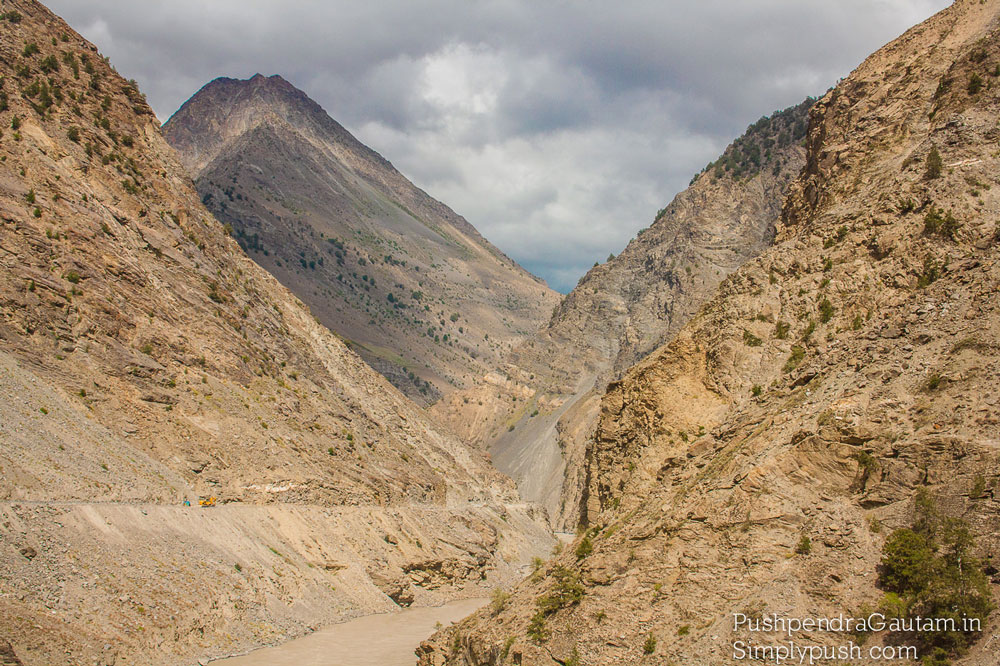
pixel 557 127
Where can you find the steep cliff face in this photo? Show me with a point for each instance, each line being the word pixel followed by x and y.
pixel 758 462
pixel 537 419
pixel 146 361
pixel 410 284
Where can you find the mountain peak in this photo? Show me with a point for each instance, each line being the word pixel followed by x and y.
pixel 226 108
pixel 274 82
pixel 365 248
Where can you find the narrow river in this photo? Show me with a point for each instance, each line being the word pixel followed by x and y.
pixel 373 640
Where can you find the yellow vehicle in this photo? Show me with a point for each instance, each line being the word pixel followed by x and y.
pixel 207 502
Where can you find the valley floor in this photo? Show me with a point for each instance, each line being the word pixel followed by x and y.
pixel 107 583
pixel 374 640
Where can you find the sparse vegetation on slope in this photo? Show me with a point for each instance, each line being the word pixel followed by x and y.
pixel 376 259
pixel 794 496
pixel 167 409
pixel 619 313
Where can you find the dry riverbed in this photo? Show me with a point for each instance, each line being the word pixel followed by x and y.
pixel 387 639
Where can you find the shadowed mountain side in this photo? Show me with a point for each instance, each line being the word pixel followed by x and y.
pixel 408 283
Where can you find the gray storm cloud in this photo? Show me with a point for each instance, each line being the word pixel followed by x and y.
pixel 556 128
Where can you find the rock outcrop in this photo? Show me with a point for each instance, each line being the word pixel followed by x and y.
pixel 758 462
pixel 7 656
pixel 537 420
pixel 411 285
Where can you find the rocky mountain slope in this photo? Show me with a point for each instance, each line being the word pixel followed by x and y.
pixel 410 284
pixel 147 362
pixel 536 417
pixel 836 389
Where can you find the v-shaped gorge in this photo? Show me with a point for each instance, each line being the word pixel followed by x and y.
pixel 538 410
pixel 740 409
pixel 423 298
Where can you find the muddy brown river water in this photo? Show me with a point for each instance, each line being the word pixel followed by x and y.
pixel 373 640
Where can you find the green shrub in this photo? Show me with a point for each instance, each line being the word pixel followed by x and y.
pixel 507 645
pixel 750 340
pixel 933 382
pixel 74 134
pixel 804 546
pixel 30 49
pixel 499 600
pixel 930 272
pixel 978 487
pixel 649 647
pixel 49 64
pixel 584 548
pixel 213 293
pixel 866 461
pixel 566 591
pixel 930 566
pixel 934 164
pixel 537 630
pixel 975 83
pixel 795 358
pixel 781 330
pixel 841 234
pixel 940 223
pixel 892 605
pixel 826 310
